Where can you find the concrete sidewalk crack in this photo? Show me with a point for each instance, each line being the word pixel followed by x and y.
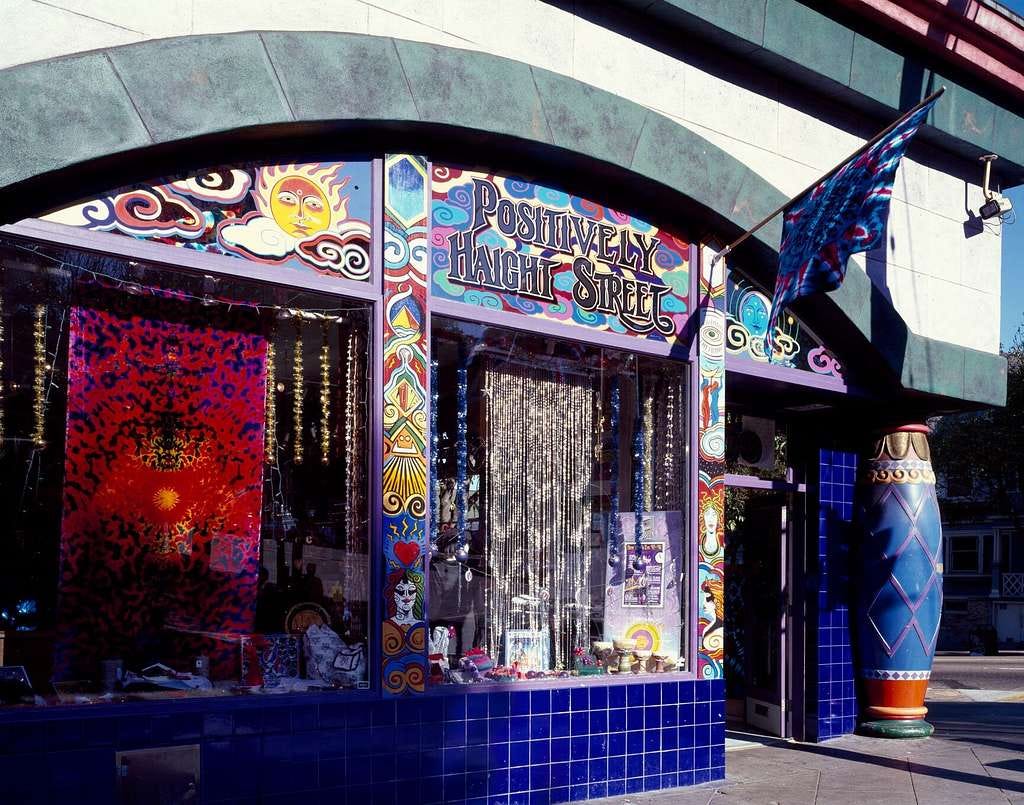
pixel 989 775
pixel 910 771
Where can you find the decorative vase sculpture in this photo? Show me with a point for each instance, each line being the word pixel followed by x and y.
pixel 900 597
pixel 624 650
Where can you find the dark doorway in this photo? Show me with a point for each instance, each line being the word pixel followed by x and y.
pixel 756 608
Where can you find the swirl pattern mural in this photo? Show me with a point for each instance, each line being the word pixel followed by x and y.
pixel 404 483
pixel 711 470
pixel 308 217
pixel 508 244
pixel 747 309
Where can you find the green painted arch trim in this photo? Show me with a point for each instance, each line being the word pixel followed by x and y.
pixel 58 117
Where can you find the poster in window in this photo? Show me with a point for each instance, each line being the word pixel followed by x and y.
pixel 646 605
pixel 528 649
pixel 644 587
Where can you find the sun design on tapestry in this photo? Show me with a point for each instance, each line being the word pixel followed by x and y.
pixel 301 213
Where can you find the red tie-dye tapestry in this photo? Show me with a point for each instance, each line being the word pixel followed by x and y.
pixel 162 489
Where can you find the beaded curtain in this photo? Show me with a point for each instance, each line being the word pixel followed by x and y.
pixel 540 437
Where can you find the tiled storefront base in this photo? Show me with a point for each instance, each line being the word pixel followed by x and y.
pixel 836 692
pixel 536 746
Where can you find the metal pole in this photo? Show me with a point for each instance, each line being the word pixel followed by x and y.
pixel 816 182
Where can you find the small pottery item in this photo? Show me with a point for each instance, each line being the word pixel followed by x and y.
pixel 624 651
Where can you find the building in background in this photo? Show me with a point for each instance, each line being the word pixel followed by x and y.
pixel 375 423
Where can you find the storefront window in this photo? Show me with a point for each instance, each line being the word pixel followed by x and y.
pixel 558 512
pixel 756 446
pixel 183 471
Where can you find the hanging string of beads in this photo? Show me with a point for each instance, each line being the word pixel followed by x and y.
pixel 39 378
pixel 435 490
pixel 299 391
pixel 461 449
pixel 639 457
pixel 649 444
pixel 270 426
pixel 614 527
pixel 325 396
pixel 2 433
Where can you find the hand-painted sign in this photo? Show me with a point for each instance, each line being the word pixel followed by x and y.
pixel 507 244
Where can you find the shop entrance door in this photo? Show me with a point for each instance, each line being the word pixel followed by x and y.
pixel 757 608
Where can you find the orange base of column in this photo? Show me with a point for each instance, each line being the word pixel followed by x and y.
pixel 898 699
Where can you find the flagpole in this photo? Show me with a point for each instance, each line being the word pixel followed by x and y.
pixel 822 178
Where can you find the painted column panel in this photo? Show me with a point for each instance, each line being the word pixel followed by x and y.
pixel 901 582
pixel 404 481
pixel 711 468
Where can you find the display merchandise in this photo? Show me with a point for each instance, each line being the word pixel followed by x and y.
pixel 544 430
pixel 165 539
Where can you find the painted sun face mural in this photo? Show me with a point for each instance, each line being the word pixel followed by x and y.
pixel 306 217
pixel 302 215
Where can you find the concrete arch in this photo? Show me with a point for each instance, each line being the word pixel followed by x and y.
pixel 89 120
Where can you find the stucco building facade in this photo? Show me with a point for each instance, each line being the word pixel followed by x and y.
pixel 378 424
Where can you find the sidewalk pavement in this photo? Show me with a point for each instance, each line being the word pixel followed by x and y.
pixel 976 757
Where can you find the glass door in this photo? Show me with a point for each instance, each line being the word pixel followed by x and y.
pixel 757 611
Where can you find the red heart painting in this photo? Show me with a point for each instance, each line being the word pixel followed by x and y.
pixel 407 552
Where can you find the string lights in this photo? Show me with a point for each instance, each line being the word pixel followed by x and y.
pixel 298 392
pixel 270 426
pixel 109 281
pixel 435 489
pixel 2 432
pixel 639 457
pixel 352 482
pixel 614 528
pixel 461 450
pixel 325 397
pixel 539 428
pixel 40 368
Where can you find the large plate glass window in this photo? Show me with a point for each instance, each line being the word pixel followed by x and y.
pixel 183 464
pixel 558 527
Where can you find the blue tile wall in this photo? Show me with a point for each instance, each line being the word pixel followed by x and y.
pixel 534 747
pixel 836 699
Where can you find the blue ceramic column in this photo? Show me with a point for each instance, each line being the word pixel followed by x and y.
pixel 900 584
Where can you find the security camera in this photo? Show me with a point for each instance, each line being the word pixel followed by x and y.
pixel 995 204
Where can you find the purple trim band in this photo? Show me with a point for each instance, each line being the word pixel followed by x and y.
pixel 375 499
pixel 179 257
pixel 751 482
pixel 693 554
pixel 785 374
pixel 533 324
pixel 598 680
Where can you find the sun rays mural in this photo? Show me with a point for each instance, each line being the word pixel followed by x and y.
pixel 307 217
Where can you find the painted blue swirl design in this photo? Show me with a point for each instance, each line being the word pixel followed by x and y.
pixel 461 195
pixel 666 258
pixel 640 226
pixel 396 248
pixel 523 303
pixel 482 299
pixel 552 197
pixel 439 258
pixel 443 286
pixel 564 280
pixel 517 187
pixel 581 316
pixel 673 304
pixel 492 238
pixel 445 214
pixel 586 207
